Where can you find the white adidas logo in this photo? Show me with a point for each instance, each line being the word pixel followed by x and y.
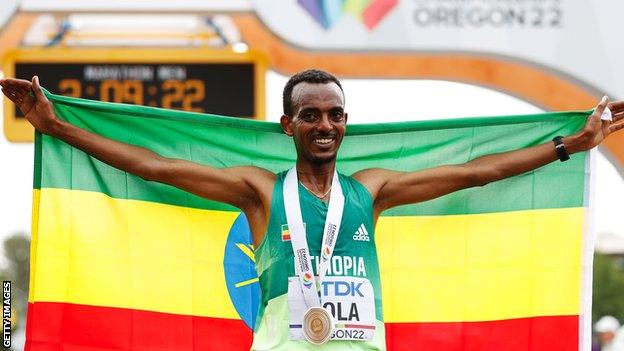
pixel 361 234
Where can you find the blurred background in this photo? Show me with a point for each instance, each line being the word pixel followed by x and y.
pixel 398 60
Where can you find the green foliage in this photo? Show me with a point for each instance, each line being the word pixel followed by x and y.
pixel 608 287
pixel 17 253
pixel 17 270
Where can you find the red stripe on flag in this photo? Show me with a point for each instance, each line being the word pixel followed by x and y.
pixel 556 333
pixel 64 326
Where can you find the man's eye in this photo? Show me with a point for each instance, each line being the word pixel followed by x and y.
pixel 338 116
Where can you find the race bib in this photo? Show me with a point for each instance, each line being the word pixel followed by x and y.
pixel 350 300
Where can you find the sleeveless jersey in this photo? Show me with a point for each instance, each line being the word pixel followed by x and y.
pixel 354 256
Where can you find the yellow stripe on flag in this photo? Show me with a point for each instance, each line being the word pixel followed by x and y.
pixel 480 267
pixel 103 251
pixel 33 243
pixel 135 254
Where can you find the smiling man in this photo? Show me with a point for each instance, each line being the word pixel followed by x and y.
pixel 314 229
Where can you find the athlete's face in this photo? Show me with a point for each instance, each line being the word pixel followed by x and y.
pixel 318 122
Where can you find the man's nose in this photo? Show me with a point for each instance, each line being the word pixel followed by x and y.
pixel 325 124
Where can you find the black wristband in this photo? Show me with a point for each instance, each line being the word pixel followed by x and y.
pixel 560 148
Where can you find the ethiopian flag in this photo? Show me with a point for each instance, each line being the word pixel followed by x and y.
pixel 120 263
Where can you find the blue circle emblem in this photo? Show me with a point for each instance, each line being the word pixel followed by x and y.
pixel 240 271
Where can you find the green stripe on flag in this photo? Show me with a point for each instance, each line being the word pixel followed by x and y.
pixel 223 142
pixel 37 163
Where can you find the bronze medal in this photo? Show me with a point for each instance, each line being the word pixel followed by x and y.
pixel 317 325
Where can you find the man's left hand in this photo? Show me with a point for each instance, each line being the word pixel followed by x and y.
pixel 596 130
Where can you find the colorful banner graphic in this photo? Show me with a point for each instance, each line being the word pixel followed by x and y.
pixel 328 12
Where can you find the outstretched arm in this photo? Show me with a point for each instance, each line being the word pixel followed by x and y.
pixel 392 188
pixel 238 186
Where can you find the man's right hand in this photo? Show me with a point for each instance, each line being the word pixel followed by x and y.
pixel 36 107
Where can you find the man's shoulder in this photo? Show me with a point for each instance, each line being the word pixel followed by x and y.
pixel 373 179
pixel 261 180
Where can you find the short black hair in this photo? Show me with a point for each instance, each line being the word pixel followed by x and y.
pixel 309 76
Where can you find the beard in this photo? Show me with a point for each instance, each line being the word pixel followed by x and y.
pixel 321 160
pixel 318 158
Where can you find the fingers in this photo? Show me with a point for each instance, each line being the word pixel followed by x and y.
pixel 13 94
pixel 616 126
pixel 37 90
pixel 601 107
pixel 23 86
pixel 616 107
pixel 617 110
pixel 18 100
pixel 16 83
pixel 15 88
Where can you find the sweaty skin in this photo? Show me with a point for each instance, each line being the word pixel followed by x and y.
pixel 317 125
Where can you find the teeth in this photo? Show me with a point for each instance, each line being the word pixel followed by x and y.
pixel 323 141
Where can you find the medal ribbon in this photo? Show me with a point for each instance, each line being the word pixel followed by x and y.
pixel 298 235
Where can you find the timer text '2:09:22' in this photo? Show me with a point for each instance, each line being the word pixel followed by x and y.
pixel 173 94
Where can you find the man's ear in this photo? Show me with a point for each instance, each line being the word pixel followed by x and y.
pixel 346 116
pixel 286 123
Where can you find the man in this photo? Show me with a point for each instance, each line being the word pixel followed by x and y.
pixel 322 208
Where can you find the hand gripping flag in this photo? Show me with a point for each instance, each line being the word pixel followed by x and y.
pixel 119 263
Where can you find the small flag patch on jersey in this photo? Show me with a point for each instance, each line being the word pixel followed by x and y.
pixel 285 233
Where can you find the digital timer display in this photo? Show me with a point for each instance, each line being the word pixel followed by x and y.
pixel 224 89
pixel 203 80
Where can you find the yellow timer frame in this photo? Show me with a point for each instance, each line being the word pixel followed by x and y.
pixel 186 93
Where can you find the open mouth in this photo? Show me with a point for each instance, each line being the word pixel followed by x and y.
pixel 323 141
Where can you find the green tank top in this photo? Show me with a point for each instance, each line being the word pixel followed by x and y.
pixel 354 256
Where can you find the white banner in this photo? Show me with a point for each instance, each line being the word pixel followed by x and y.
pixel 574 38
